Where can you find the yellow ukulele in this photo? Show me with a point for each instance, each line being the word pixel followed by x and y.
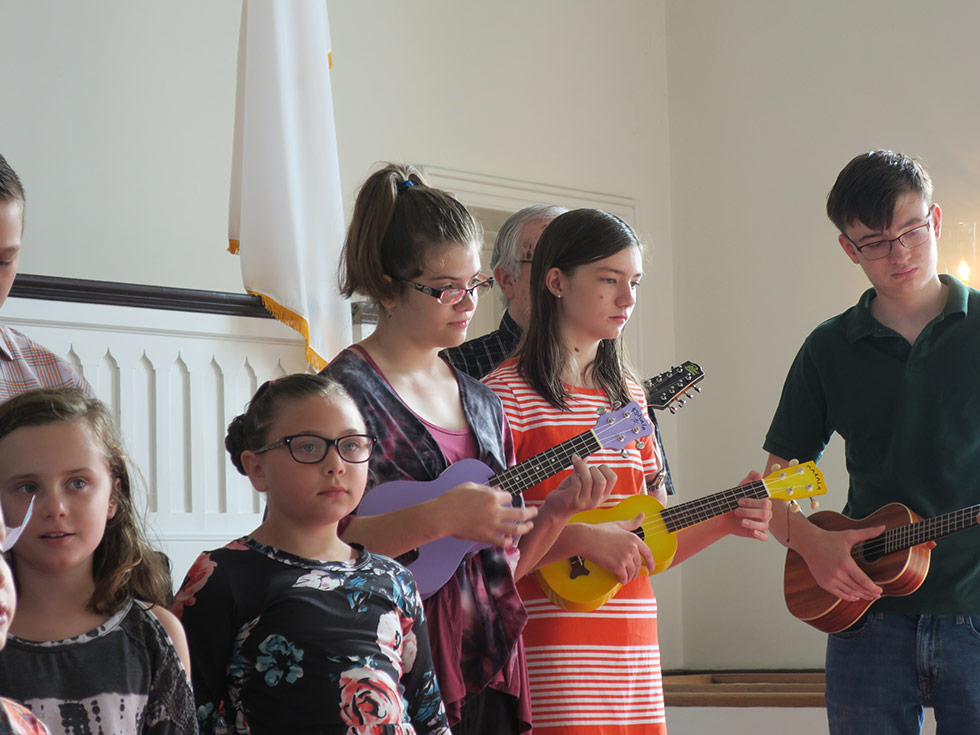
pixel 578 585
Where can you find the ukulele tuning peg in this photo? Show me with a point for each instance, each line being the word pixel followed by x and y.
pixel 794 462
pixel 673 410
pixel 621 438
pixel 640 444
pixel 624 453
pixel 681 401
pixel 617 406
pixel 794 506
pixel 689 396
pixel 775 466
pixel 697 388
pixel 814 504
pixel 601 410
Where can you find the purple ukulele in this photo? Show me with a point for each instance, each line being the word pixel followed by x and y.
pixel 438 560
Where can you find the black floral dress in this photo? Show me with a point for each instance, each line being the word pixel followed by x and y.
pixel 280 643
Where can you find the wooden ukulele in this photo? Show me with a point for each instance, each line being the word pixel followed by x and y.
pixel 578 585
pixel 437 561
pixel 897 561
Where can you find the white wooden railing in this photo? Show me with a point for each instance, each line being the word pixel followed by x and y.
pixel 173 380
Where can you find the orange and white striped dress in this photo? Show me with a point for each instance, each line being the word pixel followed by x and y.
pixel 593 673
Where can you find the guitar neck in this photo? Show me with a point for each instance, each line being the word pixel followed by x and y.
pixel 540 467
pixel 930 529
pixel 679 517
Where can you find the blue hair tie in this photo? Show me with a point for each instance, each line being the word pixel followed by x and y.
pixel 406 184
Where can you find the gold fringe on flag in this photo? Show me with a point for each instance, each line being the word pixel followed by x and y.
pixel 294 321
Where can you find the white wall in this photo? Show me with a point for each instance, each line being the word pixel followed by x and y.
pixel 118 118
pixel 767 102
pixel 725 122
pixel 120 123
pixel 557 92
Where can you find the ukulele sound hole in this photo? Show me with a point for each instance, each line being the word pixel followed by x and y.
pixel 578 568
pixel 871 555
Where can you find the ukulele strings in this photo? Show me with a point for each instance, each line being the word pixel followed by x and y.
pixel 918 532
pixel 550 462
pixel 702 509
pixel 692 512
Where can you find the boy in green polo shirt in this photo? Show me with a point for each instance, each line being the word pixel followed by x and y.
pixel 898 377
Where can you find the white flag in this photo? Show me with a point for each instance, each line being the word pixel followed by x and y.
pixel 286 216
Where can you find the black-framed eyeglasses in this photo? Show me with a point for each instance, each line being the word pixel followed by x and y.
pixel 450 296
pixel 911 239
pixel 312 448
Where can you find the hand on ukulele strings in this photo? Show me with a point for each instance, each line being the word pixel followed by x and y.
pixel 829 559
pixel 483 514
pixel 751 518
pixel 615 547
pixel 586 488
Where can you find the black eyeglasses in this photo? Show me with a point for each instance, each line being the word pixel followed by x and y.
pixel 882 248
pixel 450 296
pixel 311 448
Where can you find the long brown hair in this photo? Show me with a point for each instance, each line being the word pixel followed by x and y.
pixel 572 239
pixel 397 218
pixel 125 566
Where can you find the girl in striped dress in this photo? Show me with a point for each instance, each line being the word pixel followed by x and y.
pixel 594 673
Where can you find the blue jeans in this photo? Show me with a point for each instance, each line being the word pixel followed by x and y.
pixel 882 672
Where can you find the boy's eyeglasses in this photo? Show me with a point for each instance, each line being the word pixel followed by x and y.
pixel 311 448
pixel 882 248
pixel 451 296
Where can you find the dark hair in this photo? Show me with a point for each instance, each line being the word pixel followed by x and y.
pixel 11 190
pixel 248 430
pixel 575 238
pixel 868 187
pixel 125 566
pixel 397 218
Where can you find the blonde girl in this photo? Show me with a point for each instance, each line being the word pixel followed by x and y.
pixel 92 646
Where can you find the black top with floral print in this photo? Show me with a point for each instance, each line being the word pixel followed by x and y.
pixel 280 643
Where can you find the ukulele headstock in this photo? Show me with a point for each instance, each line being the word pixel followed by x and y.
pixel 617 427
pixel 672 389
pixel 795 482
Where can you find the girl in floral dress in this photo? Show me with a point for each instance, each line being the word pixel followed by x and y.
pixel 291 629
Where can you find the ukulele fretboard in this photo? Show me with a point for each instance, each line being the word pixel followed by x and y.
pixel 697 511
pixel 919 532
pixel 540 467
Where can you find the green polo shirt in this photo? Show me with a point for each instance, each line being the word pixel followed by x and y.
pixel 910 419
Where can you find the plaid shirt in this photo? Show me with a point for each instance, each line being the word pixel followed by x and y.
pixel 24 365
pixel 479 356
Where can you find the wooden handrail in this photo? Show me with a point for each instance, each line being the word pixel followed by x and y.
pixel 81 290
pixel 744 689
